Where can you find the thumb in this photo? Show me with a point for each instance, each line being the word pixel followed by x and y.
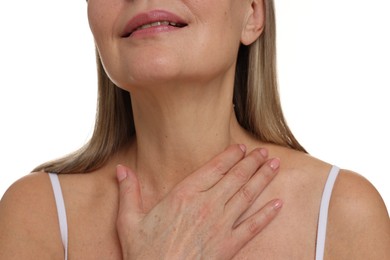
pixel 130 202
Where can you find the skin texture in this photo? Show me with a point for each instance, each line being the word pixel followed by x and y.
pixel 181 88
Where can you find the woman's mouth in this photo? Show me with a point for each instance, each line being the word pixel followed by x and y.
pixel 153 22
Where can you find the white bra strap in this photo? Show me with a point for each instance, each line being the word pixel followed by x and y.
pixel 60 210
pixel 323 216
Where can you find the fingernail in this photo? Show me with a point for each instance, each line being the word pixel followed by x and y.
pixel 274 164
pixel 277 204
pixel 264 152
pixel 243 147
pixel 121 173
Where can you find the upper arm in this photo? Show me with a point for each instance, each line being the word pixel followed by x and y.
pixel 358 222
pixel 28 220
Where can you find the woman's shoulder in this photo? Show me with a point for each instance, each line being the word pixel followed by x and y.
pixel 350 187
pixel 358 221
pixel 28 220
pixel 359 226
pixel 25 194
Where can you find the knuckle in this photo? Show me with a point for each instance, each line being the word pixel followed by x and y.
pixel 247 194
pixel 125 191
pixel 253 226
pixel 219 166
pixel 240 174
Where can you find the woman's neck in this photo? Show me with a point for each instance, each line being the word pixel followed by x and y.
pixel 178 129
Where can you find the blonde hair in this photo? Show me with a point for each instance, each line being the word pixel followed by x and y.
pixel 256 99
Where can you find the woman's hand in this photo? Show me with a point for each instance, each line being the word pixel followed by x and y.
pixel 200 217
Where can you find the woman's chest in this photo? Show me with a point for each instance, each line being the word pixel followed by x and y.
pixel 290 236
pixel 92 228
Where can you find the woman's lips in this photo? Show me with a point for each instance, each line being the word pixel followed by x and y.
pixel 153 22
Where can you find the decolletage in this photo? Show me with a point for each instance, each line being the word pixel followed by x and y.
pixel 322 220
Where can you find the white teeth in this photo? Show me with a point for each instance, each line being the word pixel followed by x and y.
pixel 156 24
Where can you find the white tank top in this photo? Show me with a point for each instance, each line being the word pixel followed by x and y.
pixel 322 220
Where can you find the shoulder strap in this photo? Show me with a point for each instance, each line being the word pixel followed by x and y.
pixel 60 210
pixel 323 216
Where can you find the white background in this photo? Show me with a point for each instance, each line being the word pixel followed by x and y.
pixel 334 73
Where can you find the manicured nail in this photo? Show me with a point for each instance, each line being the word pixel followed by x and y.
pixel 277 204
pixel 274 164
pixel 264 152
pixel 243 147
pixel 121 173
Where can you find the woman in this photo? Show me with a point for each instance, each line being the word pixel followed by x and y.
pixel 185 64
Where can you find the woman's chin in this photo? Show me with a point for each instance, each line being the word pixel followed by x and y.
pixel 155 76
pixel 150 80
